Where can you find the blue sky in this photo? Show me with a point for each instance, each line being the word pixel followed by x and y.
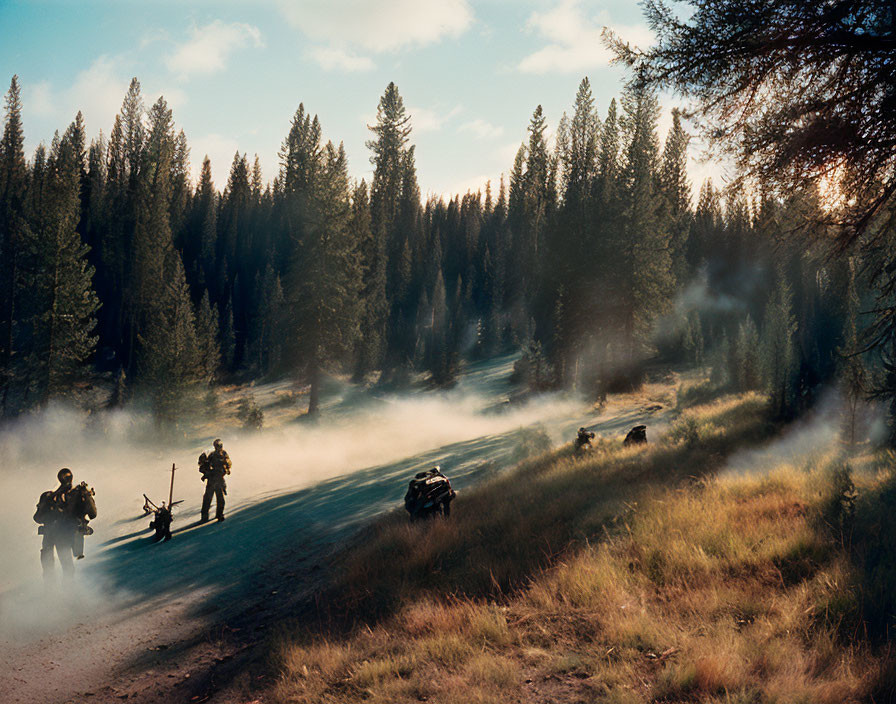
pixel 470 72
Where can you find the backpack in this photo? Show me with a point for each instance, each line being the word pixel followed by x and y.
pixel 46 508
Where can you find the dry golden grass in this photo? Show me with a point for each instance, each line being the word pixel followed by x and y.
pixel 632 575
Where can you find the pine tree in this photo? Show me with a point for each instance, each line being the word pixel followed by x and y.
pixel 704 227
pixel 171 366
pixel 694 343
pixel 437 352
pixel 233 251
pixel 62 303
pixel 580 160
pixel 778 353
pixel 746 371
pixel 607 159
pixel 271 319
pixel 200 255
pixel 371 250
pixel 642 244
pixel 95 215
pixel 854 377
pixel 394 219
pixel 180 190
pixel 152 232
pixel 207 334
pixel 324 276
pixel 676 191
pixel 535 196
pixel 572 237
pixel 125 187
pixel 13 231
pixel 227 341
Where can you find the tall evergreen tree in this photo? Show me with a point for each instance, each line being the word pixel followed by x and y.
pixel 171 366
pixel 573 239
pixel 13 231
pixel 372 254
pixel 324 275
pixel 124 188
pixel 60 311
pixel 779 355
pixel 643 249
pixel 207 333
pixel 394 177
pixel 676 191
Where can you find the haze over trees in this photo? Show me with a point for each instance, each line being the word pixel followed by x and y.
pixel 802 96
pixel 591 258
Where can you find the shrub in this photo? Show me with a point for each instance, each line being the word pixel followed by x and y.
pixel 251 416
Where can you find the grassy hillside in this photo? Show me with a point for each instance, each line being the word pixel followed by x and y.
pixel 629 575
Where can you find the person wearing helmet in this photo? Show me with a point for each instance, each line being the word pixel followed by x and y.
pixel 583 440
pixel 63 515
pixel 214 468
pixel 429 494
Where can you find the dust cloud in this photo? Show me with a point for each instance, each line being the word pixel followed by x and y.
pixel 111 453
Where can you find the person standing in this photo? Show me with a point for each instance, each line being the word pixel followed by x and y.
pixel 216 466
pixel 63 515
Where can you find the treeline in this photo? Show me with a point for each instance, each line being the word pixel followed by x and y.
pixel 113 261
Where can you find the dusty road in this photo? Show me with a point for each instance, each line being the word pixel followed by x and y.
pixel 176 622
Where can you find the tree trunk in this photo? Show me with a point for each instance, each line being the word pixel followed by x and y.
pixel 314 394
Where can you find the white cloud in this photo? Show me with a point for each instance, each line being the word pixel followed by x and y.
pixel 574 39
pixel 426 120
pixel 209 47
pixel 507 153
pixel 39 100
pixel 153 36
pixel 334 58
pixel 98 92
pixel 471 184
pixel 386 25
pixel 482 129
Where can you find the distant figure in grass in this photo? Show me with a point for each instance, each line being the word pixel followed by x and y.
pixel 214 466
pixel 636 436
pixel 583 440
pixel 63 515
pixel 429 495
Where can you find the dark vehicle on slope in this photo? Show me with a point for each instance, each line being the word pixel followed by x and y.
pixel 429 495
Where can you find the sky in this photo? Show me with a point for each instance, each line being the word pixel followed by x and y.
pixel 470 72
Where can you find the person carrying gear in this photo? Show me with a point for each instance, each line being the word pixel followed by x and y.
pixel 63 515
pixel 214 468
pixel 161 523
pixel 429 494
pixel 636 436
pixel 583 440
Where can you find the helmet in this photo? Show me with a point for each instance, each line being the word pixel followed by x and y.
pixel 218 444
pixel 65 476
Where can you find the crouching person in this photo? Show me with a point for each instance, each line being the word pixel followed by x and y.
pixel 429 494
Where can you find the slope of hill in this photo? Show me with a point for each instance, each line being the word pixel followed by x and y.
pixel 632 575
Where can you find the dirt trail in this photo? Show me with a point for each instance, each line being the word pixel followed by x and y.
pixel 174 622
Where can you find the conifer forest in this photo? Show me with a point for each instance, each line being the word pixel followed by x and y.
pixel 593 257
pixel 502 395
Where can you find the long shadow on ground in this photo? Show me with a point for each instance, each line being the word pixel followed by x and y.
pixel 224 558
